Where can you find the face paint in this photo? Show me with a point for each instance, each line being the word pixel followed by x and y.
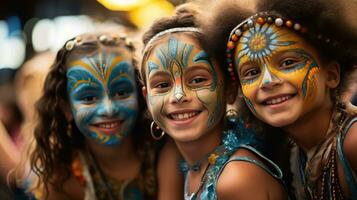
pixel 185 90
pixel 103 96
pixel 276 66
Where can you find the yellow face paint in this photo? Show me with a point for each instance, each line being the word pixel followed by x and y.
pixel 267 56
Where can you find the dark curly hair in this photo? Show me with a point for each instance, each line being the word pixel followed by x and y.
pixel 55 149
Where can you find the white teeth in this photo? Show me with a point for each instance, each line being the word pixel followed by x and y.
pixel 108 125
pixel 278 100
pixel 183 116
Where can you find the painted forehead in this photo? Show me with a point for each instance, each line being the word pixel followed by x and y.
pixel 261 42
pixel 102 66
pixel 183 51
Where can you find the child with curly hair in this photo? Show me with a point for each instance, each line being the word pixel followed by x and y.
pixel 291 60
pixel 91 136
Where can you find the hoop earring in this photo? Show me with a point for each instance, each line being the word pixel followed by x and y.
pixel 240 93
pixel 69 129
pixel 154 130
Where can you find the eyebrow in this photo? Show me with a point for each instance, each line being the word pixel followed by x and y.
pixel 202 56
pixel 152 66
pixel 78 76
pixel 195 67
pixel 160 73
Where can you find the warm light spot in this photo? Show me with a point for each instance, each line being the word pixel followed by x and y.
pixel 123 5
pixel 145 15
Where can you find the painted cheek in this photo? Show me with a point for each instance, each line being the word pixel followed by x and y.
pixel 295 77
pixel 156 104
pixel 311 85
pixel 128 111
pixel 250 89
pixel 83 118
pixel 213 102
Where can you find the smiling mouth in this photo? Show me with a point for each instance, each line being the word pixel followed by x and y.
pixel 183 116
pixel 278 100
pixel 108 127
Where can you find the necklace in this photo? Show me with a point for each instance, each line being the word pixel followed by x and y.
pixel 102 177
pixel 216 160
pixel 185 167
pixel 320 179
pixel 193 195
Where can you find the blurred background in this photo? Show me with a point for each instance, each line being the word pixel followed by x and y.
pixel 28 27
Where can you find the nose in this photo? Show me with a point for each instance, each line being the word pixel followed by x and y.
pixel 178 94
pixel 269 80
pixel 106 108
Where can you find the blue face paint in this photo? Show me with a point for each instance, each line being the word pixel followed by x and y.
pixel 103 97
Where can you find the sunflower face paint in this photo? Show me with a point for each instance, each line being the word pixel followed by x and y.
pixel 185 90
pixel 274 66
pixel 103 96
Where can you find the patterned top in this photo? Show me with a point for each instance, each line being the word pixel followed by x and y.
pixel 230 144
pixel 99 187
pixel 315 173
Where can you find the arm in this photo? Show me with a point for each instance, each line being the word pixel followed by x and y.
pixel 170 179
pixel 70 189
pixel 350 147
pixel 245 181
pixel 9 155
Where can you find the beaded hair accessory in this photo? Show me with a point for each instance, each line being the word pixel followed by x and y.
pixel 261 18
pixel 171 30
pixel 106 39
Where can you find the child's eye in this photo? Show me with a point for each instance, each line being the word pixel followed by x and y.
pixel 89 99
pixel 288 63
pixel 122 94
pixel 251 73
pixel 162 85
pixel 198 80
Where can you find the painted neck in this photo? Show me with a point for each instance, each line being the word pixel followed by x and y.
pixel 311 129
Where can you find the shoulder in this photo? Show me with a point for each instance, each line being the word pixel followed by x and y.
pixel 58 190
pixel 169 157
pixel 170 178
pixel 350 146
pixel 246 180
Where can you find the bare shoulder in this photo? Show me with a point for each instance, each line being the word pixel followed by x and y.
pixel 244 180
pixel 169 158
pixel 70 189
pixel 170 178
pixel 350 146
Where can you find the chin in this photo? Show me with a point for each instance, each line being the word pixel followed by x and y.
pixel 279 122
pixel 185 136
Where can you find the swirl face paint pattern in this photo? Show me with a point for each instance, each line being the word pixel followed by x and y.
pixel 274 66
pixel 103 96
pixel 183 86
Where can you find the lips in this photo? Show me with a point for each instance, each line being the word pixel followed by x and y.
pixel 277 99
pixel 183 116
pixel 108 128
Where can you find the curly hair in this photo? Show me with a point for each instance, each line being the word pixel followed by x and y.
pixel 55 147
